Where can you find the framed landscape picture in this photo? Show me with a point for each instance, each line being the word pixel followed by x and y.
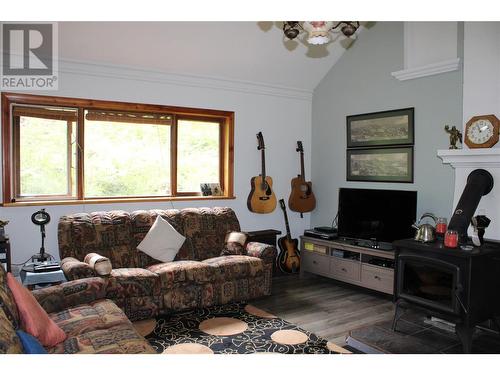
pixel 380 164
pixel 387 128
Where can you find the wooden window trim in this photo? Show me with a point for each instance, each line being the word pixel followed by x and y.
pixel 69 157
pixel 226 152
pixel 16 164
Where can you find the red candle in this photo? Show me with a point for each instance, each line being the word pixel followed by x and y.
pixel 451 238
pixel 441 228
pixel 441 225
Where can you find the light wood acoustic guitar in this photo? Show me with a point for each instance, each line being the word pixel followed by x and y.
pixel 301 198
pixel 261 199
pixel 289 256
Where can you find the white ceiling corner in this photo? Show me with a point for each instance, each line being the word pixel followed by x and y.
pixel 240 52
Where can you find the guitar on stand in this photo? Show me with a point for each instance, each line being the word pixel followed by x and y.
pixel 289 257
pixel 261 199
pixel 301 198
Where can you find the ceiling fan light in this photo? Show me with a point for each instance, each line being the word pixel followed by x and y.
pixel 348 30
pixel 291 33
pixel 318 31
pixel 318 39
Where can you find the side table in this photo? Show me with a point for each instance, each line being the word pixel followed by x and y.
pixel 267 236
pixel 40 279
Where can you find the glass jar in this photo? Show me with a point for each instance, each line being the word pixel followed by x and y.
pixel 441 225
pixel 451 238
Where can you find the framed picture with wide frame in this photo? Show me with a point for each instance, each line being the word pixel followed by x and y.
pixel 394 164
pixel 386 128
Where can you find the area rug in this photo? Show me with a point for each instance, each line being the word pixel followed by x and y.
pixel 231 329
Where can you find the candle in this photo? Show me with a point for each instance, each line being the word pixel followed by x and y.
pixel 441 225
pixel 451 238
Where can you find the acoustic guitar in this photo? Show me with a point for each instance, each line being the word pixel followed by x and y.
pixel 289 257
pixel 301 198
pixel 261 199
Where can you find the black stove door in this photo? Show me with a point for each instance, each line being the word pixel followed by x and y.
pixel 429 282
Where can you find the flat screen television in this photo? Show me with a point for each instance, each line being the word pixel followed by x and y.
pixel 383 215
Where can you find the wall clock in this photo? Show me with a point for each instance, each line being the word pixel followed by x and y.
pixel 482 131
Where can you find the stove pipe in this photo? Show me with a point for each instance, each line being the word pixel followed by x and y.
pixel 479 183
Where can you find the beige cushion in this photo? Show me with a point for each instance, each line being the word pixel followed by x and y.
pixel 162 241
pixel 235 244
pixel 101 265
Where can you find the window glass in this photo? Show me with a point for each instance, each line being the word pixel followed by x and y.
pixel 47 151
pixel 126 158
pixel 197 154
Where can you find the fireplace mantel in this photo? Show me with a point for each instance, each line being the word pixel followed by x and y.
pixel 468 158
pixel 465 161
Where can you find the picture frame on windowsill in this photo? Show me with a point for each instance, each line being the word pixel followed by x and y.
pixel 211 189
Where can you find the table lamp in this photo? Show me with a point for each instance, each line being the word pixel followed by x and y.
pixel 41 218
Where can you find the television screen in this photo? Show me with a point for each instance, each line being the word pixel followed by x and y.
pixel 384 215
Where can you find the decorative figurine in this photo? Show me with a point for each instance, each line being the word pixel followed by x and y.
pixel 455 136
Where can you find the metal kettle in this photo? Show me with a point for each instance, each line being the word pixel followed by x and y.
pixel 425 232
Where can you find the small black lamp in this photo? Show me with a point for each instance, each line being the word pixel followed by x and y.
pixel 41 218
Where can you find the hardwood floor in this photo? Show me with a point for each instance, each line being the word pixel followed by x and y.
pixel 325 307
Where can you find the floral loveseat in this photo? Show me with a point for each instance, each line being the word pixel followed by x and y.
pixel 92 324
pixel 142 286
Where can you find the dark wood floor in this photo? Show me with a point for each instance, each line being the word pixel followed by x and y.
pixel 325 307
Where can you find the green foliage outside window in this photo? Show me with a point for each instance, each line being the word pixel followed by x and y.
pixel 121 159
pixel 43 156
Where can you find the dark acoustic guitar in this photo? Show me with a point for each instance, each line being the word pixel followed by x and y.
pixel 261 199
pixel 301 198
pixel 289 257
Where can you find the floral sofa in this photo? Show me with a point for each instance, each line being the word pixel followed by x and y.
pixel 142 286
pixel 92 324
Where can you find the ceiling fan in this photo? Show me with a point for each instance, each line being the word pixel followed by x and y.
pixel 319 31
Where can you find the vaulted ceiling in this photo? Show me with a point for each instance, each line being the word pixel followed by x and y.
pixel 245 51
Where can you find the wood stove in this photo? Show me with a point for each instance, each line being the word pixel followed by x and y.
pixel 456 285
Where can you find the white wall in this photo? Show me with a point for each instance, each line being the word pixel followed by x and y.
pixel 481 96
pixel 429 42
pixel 283 115
pixel 481 70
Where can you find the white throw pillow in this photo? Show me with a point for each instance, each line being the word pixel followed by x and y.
pixel 162 241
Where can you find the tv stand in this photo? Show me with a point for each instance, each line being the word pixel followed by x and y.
pixel 343 260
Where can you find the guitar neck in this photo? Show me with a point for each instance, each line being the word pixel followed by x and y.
pixel 302 173
pixel 263 161
pixel 287 225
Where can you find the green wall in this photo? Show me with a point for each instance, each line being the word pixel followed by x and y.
pixel 361 82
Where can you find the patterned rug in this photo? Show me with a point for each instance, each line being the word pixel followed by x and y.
pixel 231 329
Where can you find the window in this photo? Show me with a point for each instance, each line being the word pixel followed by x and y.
pixel 45 151
pixel 61 149
pixel 126 157
pixel 198 158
